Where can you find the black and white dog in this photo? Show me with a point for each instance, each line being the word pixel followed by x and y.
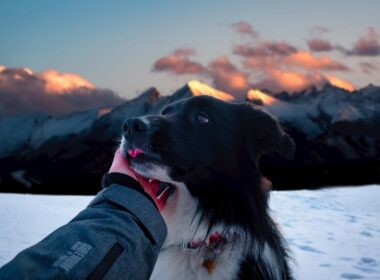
pixel 205 152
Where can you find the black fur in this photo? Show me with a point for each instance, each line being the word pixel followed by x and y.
pixel 218 161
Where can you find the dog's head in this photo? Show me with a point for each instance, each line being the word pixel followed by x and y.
pixel 210 146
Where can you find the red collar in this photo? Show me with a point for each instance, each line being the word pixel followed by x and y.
pixel 213 241
pixel 210 247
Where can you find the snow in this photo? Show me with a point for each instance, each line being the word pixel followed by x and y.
pixel 198 88
pixel 334 233
pixel 58 127
pixel 34 130
pixel 312 111
pixel 15 131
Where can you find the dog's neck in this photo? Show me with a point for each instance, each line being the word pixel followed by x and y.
pixel 209 247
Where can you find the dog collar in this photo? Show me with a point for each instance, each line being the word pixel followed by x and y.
pixel 210 247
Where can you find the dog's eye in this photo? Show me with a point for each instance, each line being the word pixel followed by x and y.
pixel 166 110
pixel 202 118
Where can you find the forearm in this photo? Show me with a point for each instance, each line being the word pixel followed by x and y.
pixel 113 237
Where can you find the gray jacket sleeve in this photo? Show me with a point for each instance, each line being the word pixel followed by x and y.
pixel 118 236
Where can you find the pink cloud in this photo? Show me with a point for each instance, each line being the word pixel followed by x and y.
pixel 367 45
pixel 306 60
pixel 272 65
pixel 227 77
pixel 184 52
pixel 23 91
pixel 264 49
pixel 319 45
pixel 243 27
pixel 179 63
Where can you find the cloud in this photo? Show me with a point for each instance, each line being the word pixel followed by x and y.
pixel 281 80
pixel 243 27
pixel 319 45
pixel 293 81
pixel 23 91
pixel 306 60
pixel 56 82
pixel 263 64
pixel 227 77
pixel 368 45
pixel 368 67
pixel 179 63
pixel 268 48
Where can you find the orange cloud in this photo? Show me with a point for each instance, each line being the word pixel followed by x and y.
pixel 56 82
pixel 272 65
pixel 227 77
pixel 277 80
pixel 23 91
pixel 290 81
pixel 305 59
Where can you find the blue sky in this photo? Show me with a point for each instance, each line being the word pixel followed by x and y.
pixel 114 44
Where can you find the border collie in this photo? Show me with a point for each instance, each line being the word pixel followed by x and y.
pixel 205 153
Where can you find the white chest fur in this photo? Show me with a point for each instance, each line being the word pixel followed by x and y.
pixel 175 262
pixel 178 264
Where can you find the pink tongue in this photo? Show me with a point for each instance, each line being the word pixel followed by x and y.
pixel 135 152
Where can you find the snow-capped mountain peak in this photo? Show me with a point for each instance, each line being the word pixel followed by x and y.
pixel 257 96
pixel 198 88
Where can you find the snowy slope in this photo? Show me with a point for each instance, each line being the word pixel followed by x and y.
pixel 33 130
pixel 333 233
pixel 313 111
pixel 296 114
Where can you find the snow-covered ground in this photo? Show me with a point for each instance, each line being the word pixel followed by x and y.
pixel 333 233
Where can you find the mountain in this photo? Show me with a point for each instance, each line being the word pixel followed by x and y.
pixel 337 135
pixel 312 111
pixel 31 131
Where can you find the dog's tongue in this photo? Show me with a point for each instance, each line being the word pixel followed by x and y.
pixel 135 152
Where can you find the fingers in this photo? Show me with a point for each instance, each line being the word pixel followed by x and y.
pixel 120 165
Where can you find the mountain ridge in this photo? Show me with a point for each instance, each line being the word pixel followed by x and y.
pixel 331 127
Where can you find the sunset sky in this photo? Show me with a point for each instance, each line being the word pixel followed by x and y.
pixel 128 46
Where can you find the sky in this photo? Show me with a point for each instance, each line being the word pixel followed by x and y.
pixel 129 46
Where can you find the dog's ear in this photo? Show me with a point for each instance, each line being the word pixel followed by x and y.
pixel 264 134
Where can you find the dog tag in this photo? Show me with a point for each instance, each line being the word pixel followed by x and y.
pixel 209 264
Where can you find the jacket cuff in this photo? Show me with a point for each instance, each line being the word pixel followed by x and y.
pixel 123 180
pixel 132 201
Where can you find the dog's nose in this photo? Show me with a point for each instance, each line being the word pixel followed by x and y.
pixel 136 125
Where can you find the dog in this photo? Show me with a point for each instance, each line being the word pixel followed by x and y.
pixel 205 152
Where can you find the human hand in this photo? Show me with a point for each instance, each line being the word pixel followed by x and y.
pixel 120 165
